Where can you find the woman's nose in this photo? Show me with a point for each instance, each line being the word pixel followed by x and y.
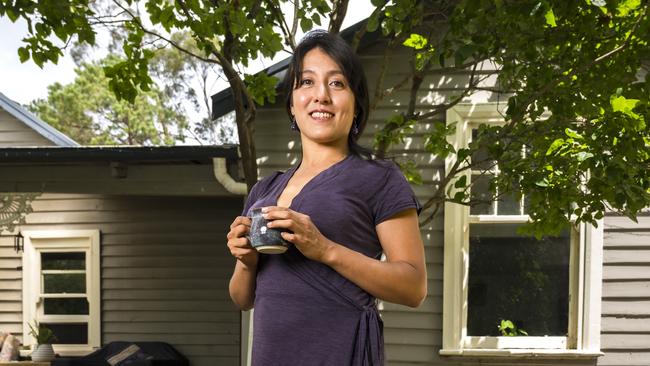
pixel 322 94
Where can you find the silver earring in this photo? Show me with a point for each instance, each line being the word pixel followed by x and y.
pixel 355 127
pixel 294 125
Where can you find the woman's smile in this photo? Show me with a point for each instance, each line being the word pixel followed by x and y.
pixel 319 115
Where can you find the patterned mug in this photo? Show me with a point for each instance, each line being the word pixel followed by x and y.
pixel 264 239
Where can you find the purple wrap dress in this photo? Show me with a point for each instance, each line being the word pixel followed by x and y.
pixel 305 312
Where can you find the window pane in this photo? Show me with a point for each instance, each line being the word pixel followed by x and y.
pixel 519 279
pixel 61 283
pixel 508 205
pixel 74 333
pixel 69 260
pixel 480 157
pixel 481 191
pixel 65 306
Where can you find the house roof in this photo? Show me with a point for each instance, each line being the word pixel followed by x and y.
pixel 118 170
pixel 35 123
pixel 143 154
pixel 222 102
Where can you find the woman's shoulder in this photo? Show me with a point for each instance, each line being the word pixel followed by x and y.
pixel 266 183
pixel 375 167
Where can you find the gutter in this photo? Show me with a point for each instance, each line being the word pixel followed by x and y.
pixel 221 173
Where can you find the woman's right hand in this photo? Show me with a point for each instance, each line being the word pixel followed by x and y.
pixel 238 243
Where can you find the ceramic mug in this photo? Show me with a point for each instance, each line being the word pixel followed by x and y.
pixel 265 239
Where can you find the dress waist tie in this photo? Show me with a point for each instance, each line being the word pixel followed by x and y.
pixel 368 350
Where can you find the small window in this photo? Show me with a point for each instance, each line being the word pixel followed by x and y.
pixel 61 275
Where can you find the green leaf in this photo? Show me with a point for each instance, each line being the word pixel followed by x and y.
pixel 416 41
pixel 554 146
pixel 261 87
pixel 373 23
pixel 550 18
pixel 306 24
pixel 542 183
pixel 573 134
pixel 463 53
pixel 627 6
pixel 461 182
pixel 13 16
pixel 583 155
pixel 624 105
pixel 23 54
pixel 459 196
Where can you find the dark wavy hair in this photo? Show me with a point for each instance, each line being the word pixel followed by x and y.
pixel 341 52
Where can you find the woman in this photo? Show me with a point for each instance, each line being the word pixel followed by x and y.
pixel 315 304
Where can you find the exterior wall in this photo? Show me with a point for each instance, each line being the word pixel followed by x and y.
pixel 626 292
pixel 164 269
pixel 15 133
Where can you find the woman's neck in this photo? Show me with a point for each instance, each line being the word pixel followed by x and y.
pixel 319 157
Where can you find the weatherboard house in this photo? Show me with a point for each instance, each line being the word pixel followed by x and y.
pixel 139 233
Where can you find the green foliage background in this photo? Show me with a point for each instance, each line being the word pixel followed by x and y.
pixel 574 73
pixel 90 112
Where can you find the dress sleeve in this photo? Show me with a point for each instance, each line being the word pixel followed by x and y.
pixel 393 196
pixel 258 191
pixel 251 198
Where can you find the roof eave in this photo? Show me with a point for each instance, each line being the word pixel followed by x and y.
pixel 35 123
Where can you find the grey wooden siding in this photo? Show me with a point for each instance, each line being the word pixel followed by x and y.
pixel 164 269
pixel 626 292
pixel 11 306
pixel 15 133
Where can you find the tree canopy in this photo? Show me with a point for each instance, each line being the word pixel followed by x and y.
pixel 89 112
pixel 575 75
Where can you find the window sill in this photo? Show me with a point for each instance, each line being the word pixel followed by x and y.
pixel 522 353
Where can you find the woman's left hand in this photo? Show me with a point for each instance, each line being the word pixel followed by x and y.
pixel 304 234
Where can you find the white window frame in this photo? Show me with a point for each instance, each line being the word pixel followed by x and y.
pixel 585 272
pixel 37 242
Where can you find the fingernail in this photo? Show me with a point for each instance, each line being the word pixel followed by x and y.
pixel 266 216
pixel 265 209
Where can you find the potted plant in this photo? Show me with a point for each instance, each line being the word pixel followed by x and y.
pixel 42 351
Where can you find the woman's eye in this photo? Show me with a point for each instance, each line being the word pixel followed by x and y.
pixel 337 83
pixel 305 82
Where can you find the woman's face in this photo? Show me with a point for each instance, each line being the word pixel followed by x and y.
pixel 322 102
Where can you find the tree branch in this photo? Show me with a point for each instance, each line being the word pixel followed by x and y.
pixel 339 8
pixel 294 26
pixel 379 94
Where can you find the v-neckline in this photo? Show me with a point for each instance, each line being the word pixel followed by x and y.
pixel 290 173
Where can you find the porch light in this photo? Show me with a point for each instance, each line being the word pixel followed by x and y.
pixel 19 242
